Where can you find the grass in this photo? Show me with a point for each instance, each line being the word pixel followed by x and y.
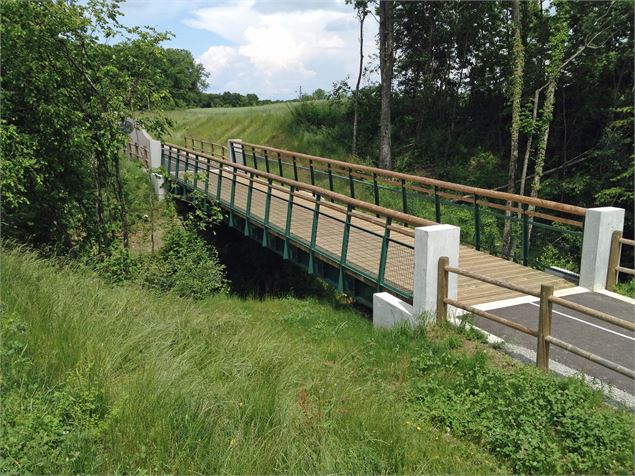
pixel 272 125
pixel 626 288
pixel 103 379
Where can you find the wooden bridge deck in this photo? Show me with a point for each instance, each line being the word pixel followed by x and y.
pixel 365 239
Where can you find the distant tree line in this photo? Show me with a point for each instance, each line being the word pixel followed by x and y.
pixel 186 81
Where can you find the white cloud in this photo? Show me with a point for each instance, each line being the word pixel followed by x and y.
pixel 272 51
pixel 216 58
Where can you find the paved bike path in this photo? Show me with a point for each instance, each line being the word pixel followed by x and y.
pixel 604 339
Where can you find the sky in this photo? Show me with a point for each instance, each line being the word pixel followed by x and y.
pixel 267 47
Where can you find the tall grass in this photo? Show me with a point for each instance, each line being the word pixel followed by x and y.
pixel 220 386
pixel 99 378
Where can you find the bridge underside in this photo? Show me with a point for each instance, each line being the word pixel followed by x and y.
pixel 357 256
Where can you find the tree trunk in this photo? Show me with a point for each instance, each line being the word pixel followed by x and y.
pixel 534 119
pixel 518 52
pixel 123 216
pixel 541 146
pixel 362 17
pixel 386 61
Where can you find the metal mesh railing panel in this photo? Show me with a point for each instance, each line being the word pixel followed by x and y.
pixel 364 250
pixel 240 197
pixel 329 235
pixel 302 220
pixel 258 200
pixel 400 266
pixel 278 212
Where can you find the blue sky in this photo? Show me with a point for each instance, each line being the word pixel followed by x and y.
pixel 267 47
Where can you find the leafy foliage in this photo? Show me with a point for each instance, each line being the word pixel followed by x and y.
pixel 64 94
pixel 186 265
pixel 538 423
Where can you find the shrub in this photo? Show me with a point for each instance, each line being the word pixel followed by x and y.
pixel 187 265
pixel 538 423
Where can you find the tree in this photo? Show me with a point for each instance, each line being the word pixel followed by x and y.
pixel 386 65
pixel 361 6
pixel 518 55
pixel 64 95
pixel 183 76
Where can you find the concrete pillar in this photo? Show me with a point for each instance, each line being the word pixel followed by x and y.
pixel 157 184
pixel 155 153
pixel 389 311
pixel 431 243
pixel 599 225
pixel 235 147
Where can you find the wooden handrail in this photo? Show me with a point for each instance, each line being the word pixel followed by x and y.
pixel 593 313
pixel 491 317
pixel 360 204
pixel 543 334
pixel 590 356
pixel 481 192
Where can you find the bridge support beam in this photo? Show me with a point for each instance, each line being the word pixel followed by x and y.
pixel 431 243
pixel 599 225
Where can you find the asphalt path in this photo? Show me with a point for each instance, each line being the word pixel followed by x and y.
pixel 604 339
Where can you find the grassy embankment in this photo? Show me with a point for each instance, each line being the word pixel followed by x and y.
pixel 271 125
pixel 99 378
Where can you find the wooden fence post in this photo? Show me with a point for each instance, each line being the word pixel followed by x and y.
pixel 544 326
pixel 442 290
pixel 614 260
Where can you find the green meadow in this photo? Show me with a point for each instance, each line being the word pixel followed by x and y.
pixel 98 378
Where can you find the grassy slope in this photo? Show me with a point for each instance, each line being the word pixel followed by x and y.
pixel 113 379
pixel 219 386
pixel 271 125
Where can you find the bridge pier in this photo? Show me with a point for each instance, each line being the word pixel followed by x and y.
pixel 599 225
pixel 431 243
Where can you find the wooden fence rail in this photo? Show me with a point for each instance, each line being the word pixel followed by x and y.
pixel 205 146
pixel 139 152
pixel 617 242
pixel 545 313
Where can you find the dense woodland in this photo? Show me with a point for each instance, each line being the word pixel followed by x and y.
pixel 461 89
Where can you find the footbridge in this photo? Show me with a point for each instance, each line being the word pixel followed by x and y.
pixel 408 246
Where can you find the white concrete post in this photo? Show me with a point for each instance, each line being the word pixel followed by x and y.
pixel 431 243
pixel 599 225
pixel 236 147
pixel 154 149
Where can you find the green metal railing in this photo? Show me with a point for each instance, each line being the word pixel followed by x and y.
pixel 359 247
pixel 534 224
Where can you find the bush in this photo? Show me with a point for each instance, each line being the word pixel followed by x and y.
pixel 538 423
pixel 117 266
pixel 186 265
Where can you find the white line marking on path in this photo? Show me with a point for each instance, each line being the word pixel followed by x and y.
pixel 588 323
